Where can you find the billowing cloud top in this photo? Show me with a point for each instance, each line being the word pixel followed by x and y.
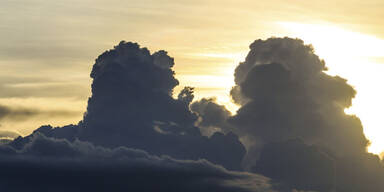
pixel 285 94
pixel 288 95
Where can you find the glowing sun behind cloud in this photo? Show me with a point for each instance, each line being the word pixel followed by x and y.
pixel 358 58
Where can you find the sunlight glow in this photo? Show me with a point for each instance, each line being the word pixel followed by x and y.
pixel 218 84
pixel 358 58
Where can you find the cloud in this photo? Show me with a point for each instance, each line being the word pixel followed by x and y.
pixel 136 136
pixel 33 51
pixel 48 164
pixel 285 94
pixel 132 100
pixel 306 167
pixel 19 113
pixel 363 173
pixel 212 116
pixel 132 105
pixel 44 90
pixel 296 164
pixel 290 96
pixel 186 95
pixel 8 134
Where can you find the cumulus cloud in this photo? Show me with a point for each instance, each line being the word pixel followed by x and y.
pixel 285 94
pixel 132 105
pixel 131 134
pixel 290 96
pixel 136 137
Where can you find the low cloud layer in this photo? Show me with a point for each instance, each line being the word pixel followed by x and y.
pixel 48 164
pixel 17 113
pixel 44 90
pixel 9 134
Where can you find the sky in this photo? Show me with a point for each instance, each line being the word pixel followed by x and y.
pixel 270 96
pixel 48 48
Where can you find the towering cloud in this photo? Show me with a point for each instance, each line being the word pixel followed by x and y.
pixel 132 105
pixel 131 90
pixel 285 94
pixel 289 96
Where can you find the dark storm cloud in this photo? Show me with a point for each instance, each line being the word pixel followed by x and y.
pixel 47 164
pixel 313 169
pixel 134 130
pixel 132 105
pixel 18 113
pixel 290 96
pixel 359 174
pixel 285 95
pixel 305 167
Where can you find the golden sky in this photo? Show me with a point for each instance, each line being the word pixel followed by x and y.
pixel 48 47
